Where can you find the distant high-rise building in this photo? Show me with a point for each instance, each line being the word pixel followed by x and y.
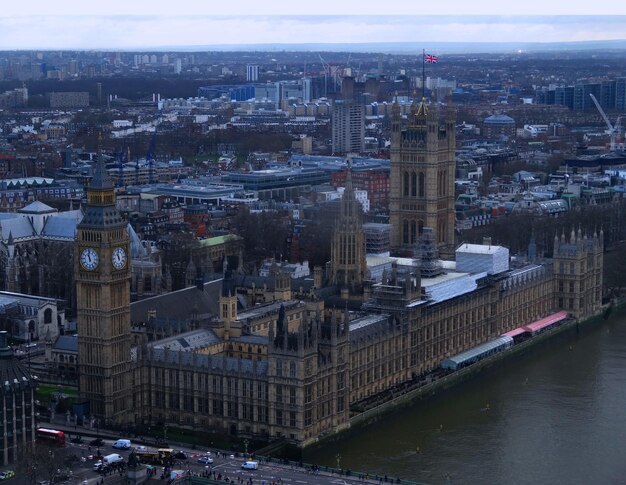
pixel 178 66
pixel 72 67
pixel 620 94
pixel 306 90
pixel 348 127
pixel 252 73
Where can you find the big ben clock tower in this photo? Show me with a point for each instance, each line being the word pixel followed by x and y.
pixel 102 268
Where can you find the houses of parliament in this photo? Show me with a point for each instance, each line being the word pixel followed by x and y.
pixel 273 359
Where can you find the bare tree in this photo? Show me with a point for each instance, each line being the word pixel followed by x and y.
pixel 39 463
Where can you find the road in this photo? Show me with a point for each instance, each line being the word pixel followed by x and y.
pixel 223 465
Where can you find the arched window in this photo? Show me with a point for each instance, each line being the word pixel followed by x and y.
pixel 292 369
pixel 420 184
pixel 420 227
pixel 413 232
pixel 413 184
pixel 47 315
pixel 405 232
pixel 405 189
pixel 444 177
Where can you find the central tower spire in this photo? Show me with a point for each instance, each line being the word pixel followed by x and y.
pixel 348 248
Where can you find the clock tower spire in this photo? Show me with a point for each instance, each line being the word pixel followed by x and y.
pixel 102 273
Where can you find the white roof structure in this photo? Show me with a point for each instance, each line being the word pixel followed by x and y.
pixel 482 258
pixel 196 339
pixel 450 285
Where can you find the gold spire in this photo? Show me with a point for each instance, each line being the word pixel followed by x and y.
pixel 422 109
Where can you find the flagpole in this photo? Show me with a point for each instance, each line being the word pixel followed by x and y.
pixel 423 74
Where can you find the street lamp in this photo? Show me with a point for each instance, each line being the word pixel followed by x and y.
pixel 245 444
pixel 338 457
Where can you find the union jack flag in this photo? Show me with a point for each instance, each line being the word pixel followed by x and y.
pixel 430 58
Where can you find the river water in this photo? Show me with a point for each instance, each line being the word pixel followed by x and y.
pixel 555 414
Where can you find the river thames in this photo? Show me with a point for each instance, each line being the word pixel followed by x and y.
pixel 556 414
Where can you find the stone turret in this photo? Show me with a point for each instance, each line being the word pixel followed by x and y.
pixel 190 273
pixel 578 266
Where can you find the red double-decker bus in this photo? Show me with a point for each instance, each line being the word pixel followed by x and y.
pixel 50 436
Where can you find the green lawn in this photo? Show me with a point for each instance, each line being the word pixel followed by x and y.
pixel 48 391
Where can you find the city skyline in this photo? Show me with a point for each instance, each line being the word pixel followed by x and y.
pixel 192 24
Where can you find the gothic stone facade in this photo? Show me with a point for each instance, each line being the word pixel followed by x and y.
pixel 299 384
pixel 297 390
pixel 422 178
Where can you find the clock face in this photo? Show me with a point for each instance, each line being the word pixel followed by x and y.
pixel 89 259
pixel 118 258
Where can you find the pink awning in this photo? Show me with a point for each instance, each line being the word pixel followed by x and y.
pixel 546 322
pixel 515 333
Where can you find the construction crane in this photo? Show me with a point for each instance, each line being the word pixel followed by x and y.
pixel 612 130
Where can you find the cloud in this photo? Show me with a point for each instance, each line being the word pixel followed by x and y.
pixel 142 32
pixel 326 7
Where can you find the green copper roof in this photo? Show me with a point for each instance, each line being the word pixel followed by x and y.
pixel 215 241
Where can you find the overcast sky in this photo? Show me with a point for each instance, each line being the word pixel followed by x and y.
pixel 137 24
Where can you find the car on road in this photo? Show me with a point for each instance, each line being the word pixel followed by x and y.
pixel 7 474
pixel 205 460
pixel 250 465
pixel 122 444
pixel 97 442
pixel 100 467
pixel 180 455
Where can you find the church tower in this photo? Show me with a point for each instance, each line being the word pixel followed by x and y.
pixel 348 264
pixel 422 178
pixel 102 268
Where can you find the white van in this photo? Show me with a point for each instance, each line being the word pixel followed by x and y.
pixel 250 465
pixel 122 444
pixel 112 458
